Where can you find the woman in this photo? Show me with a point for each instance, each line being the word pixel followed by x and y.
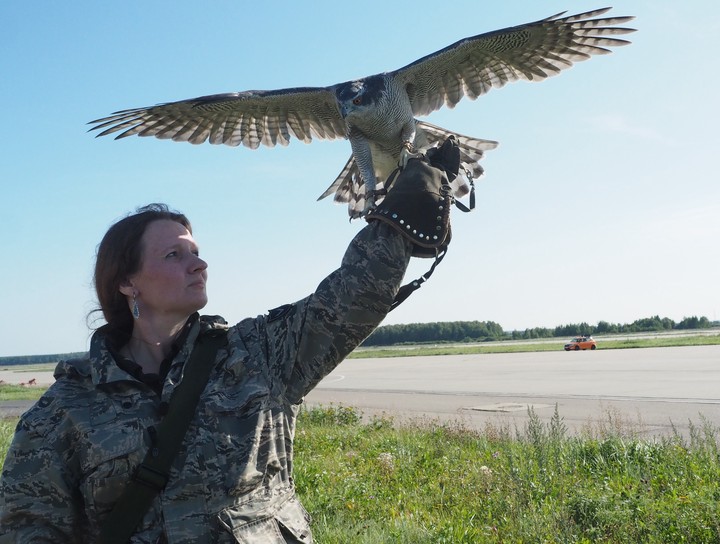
pixel 76 450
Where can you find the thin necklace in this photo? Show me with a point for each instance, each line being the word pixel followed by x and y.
pixel 141 340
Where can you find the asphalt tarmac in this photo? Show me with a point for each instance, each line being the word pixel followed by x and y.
pixel 648 392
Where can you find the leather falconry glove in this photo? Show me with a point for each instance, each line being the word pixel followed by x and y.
pixel 419 198
pixel 417 204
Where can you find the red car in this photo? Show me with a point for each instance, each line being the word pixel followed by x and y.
pixel 581 342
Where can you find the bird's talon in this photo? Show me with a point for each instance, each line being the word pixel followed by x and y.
pixel 406 153
pixel 369 206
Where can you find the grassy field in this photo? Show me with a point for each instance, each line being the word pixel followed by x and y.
pixel 376 482
pixel 20 392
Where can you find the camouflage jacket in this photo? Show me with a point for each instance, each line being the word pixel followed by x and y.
pixel 75 449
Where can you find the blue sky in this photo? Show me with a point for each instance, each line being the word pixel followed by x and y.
pixel 601 203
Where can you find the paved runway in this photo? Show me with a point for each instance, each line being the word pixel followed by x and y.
pixel 649 391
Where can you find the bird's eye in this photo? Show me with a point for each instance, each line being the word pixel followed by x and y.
pixel 357 101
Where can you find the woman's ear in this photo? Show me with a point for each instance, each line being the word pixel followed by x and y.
pixel 127 288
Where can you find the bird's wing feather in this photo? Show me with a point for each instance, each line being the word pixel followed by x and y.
pixel 249 118
pixel 533 51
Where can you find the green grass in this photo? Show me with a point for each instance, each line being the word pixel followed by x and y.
pixel 42 367
pixel 7 429
pixel 450 349
pixel 20 392
pixel 662 342
pixel 375 482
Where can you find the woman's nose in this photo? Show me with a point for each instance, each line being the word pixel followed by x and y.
pixel 199 264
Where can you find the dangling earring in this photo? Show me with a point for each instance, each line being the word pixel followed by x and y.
pixel 135 308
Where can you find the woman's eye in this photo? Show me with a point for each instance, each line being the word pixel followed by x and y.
pixel 171 254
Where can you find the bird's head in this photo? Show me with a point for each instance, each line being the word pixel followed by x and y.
pixel 357 96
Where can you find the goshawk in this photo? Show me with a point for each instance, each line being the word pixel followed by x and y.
pixel 377 113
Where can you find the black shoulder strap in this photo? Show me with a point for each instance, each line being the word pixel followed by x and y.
pixel 152 474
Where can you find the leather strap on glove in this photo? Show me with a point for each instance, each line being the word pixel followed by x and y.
pixel 419 198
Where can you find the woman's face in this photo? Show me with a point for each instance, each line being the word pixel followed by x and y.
pixel 172 276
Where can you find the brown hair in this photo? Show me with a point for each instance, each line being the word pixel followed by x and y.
pixel 119 257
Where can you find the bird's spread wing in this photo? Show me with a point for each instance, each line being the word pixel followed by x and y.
pixel 533 51
pixel 249 118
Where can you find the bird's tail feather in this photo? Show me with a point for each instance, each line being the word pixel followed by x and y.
pixel 349 187
pixel 472 150
pixel 345 177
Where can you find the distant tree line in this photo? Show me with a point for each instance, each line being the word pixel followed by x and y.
pixel 453 331
pixel 463 331
pixel 480 331
pixel 38 359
